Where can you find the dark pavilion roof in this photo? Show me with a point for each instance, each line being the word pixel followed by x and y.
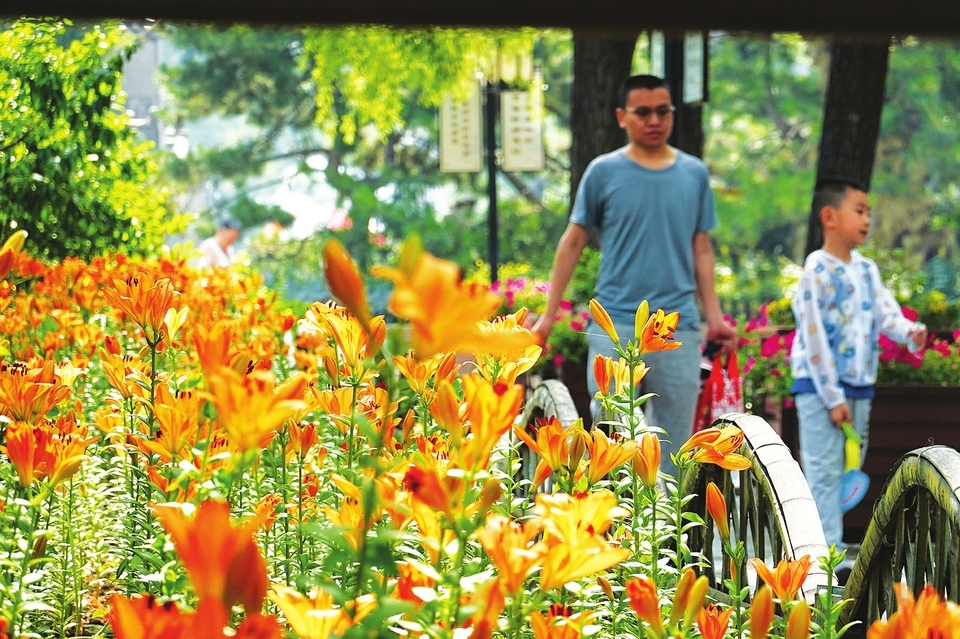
pixel 940 18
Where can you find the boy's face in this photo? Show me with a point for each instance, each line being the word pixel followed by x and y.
pixel 850 221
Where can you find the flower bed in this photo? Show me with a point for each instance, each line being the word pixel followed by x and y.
pixel 183 458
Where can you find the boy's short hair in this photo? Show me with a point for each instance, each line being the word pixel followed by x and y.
pixel 832 192
pixel 649 82
pixel 827 192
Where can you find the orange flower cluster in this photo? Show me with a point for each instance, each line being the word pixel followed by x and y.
pixel 225 568
pixel 926 616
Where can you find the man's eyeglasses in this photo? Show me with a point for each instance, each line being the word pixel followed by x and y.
pixel 644 113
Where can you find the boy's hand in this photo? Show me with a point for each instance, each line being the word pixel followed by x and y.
pixel 840 415
pixel 918 336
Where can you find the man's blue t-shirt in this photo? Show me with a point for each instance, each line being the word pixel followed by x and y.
pixel 646 220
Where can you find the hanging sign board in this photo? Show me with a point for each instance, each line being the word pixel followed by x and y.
pixel 521 127
pixel 461 148
pixel 694 44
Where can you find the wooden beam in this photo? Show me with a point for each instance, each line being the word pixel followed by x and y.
pixel 840 17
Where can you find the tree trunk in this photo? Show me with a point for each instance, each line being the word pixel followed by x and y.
pixel 600 65
pixel 851 118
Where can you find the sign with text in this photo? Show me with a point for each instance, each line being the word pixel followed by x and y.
pixel 461 144
pixel 521 127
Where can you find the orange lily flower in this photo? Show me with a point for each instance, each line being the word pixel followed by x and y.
pixel 717 507
pixel 625 379
pixel 302 438
pixel 212 344
pixel 491 410
pixel 927 616
pixel 713 622
pixel 265 512
pixel 689 596
pixel 427 487
pixel 44 451
pixel 448 410
pixel 602 319
pixel 345 281
pixel 565 516
pixel 352 338
pixel 557 447
pixel 444 312
pixel 25 443
pixel 798 623
pixel 507 366
pixel 573 529
pixel 512 548
pixel 27 392
pixel 177 417
pixel 412 575
pixel 487 602
pixel 606 454
pixel 655 332
pixel 144 618
pixel 560 623
pixel 419 373
pixel 250 407
pixel 761 613
pixel 146 300
pixel 603 373
pixel 642 593
pixel 222 560
pixel 787 578
pixel 646 463
pixel 717 446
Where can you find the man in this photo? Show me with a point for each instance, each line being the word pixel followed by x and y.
pixel 217 250
pixel 651 207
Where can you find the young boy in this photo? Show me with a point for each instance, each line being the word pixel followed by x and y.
pixel 841 307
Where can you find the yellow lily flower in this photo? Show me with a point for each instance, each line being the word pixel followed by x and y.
pixel 555 445
pixel 602 319
pixel 444 312
pixel 512 548
pixel 607 454
pixel 250 407
pixel 787 578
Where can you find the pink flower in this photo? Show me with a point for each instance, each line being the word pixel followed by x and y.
pixel 909 313
pixel 558 360
pixel 566 306
pixel 753 324
pixel 751 362
pixel 771 346
pixel 776 372
pixel 889 349
pixel 577 326
pixel 788 340
pixel 941 347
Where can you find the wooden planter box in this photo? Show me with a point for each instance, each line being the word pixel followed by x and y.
pixel 902 418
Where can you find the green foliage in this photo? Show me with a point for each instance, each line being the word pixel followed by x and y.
pixel 366 75
pixel 72 172
pixel 761 128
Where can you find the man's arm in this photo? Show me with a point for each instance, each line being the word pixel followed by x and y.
pixel 718 330
pixel 569 250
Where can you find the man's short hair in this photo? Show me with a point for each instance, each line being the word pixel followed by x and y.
pixel 230 224
pixel 649 82
pixel 832 191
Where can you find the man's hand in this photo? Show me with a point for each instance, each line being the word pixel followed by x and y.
pixel 840 415
pixel 722 333
pixel 542 328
